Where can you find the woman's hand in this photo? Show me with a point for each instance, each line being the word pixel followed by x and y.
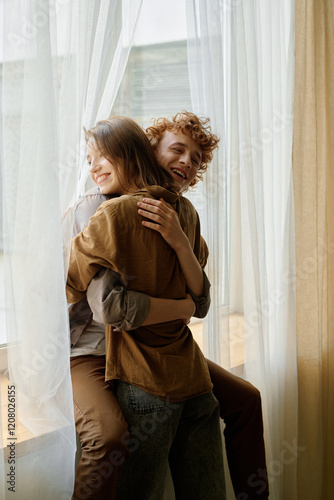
pixel 166 221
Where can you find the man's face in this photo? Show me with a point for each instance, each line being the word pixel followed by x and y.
pixel 181 156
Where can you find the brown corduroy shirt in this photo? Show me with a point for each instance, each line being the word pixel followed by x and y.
pixel 162 359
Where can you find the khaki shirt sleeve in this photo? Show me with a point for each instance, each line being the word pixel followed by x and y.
pixel 95 247
pixel 202 304
pixel 200 247
pixel 203 253
pixel 112 304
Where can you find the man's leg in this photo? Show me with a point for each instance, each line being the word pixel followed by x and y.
pixel 240 408
pixel 152 425
pixel 196 458
pixel 102 429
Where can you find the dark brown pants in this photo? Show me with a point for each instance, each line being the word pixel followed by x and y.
pixel 240 408
pixel 103 432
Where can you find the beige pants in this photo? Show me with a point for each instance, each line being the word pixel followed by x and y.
pixel 102 430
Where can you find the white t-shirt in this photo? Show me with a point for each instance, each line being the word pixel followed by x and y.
pixel 92 341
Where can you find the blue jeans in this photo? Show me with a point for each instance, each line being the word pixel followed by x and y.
pixel 186 435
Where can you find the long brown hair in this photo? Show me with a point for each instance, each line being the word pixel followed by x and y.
pixel 122 141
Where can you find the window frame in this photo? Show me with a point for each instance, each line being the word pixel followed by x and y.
pixel 3 357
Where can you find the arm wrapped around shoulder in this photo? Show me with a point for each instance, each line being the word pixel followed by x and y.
pixel 112 304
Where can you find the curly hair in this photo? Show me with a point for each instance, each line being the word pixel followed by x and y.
pixel 187 122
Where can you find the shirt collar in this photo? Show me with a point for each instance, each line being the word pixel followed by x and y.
pixel 160 192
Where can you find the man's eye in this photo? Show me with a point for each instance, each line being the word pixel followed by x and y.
pixel 177 150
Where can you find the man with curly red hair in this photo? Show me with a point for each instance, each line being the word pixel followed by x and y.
pixel 240 402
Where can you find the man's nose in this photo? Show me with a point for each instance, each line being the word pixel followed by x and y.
pixel 185 159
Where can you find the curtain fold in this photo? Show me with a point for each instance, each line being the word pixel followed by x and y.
pixel 58 74
pixel 313 160
pixel 206 74
pixel 241 68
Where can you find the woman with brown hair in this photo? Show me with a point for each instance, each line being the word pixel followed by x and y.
pixel 160 362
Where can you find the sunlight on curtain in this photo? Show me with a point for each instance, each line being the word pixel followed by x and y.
pixel 313 161
pixel 62 65
pixel 241 67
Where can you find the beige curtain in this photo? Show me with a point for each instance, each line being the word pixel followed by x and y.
pixel 313 164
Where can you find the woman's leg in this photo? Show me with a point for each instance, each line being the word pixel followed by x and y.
pixel 152 424
pixel 240 408
pixel 102 430
pixel 187 434
pixel 196 457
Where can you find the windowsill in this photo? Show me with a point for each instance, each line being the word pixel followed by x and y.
pixel 25 441
pixel 236 333
pixel 3 359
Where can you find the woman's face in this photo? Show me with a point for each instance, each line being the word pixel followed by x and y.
pixel 104 173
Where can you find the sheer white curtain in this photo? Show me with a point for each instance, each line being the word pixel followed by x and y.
pixel 241 63
pixel 62 63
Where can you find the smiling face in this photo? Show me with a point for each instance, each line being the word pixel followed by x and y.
pixel 104 173
pixel 181 156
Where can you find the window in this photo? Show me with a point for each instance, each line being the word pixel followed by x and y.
pixel 156 83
